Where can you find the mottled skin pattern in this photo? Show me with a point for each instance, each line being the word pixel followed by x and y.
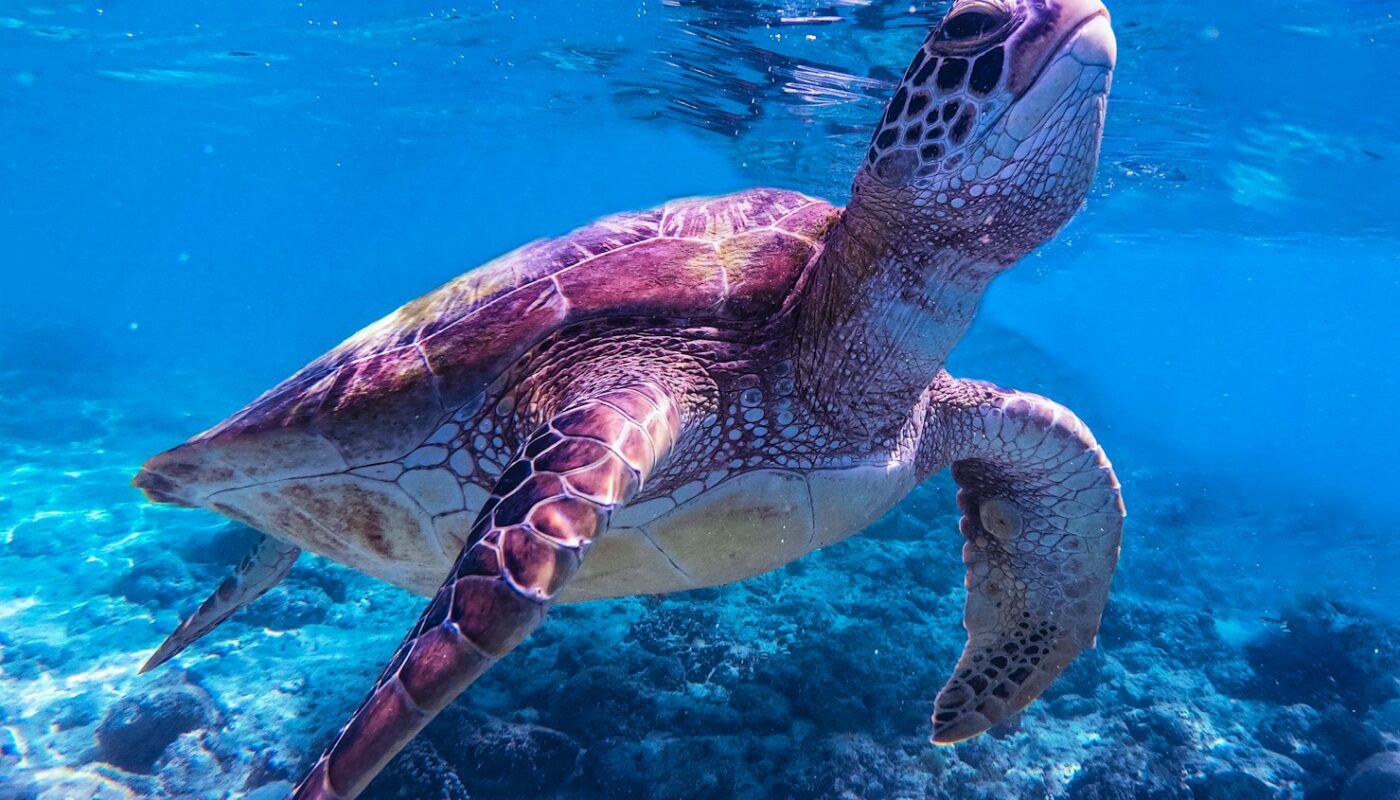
pixel 703 392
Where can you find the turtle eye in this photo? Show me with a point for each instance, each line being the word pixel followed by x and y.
pixel 969 25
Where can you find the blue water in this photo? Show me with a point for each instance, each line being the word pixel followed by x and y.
pixel 196 200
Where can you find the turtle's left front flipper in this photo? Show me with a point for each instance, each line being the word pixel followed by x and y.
pixel 552 500
pixel 1043 519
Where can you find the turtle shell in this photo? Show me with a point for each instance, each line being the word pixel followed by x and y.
pixel 383 391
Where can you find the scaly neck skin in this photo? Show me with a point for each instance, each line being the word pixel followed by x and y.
pixel 887 300
pixel 985 151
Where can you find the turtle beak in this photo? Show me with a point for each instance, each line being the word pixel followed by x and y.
pixel 1079 27
pixel 1077 39
pixel 1092 43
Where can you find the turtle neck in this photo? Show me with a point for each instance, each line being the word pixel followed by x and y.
pixel 886 302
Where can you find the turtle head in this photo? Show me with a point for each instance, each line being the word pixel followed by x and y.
pixel 990 143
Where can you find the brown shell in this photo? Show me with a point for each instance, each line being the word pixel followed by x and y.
pixel 385 389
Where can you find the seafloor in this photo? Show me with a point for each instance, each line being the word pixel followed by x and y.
pixel 1215 677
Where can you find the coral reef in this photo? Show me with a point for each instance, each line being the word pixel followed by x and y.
pixel 1346 657
pixel 419 773
pixel 1377 778
pixel 137 729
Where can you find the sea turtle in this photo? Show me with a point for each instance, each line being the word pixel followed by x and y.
pixel 702 392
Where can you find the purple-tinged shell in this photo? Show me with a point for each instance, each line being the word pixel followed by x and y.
pixel 384 390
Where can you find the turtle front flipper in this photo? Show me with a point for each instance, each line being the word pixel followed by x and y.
pixel 263 568
pixel 550 503
pixel 1043 519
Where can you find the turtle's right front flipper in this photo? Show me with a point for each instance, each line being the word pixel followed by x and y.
pixel 1043 519
pixel 552 500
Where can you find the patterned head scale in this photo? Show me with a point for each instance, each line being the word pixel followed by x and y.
pixel 1001 110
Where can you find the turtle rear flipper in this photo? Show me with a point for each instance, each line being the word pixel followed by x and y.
pixel 554 498
pixel 1043 519
pixel 263 568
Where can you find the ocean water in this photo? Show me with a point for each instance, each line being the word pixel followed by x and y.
pixel 197 199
